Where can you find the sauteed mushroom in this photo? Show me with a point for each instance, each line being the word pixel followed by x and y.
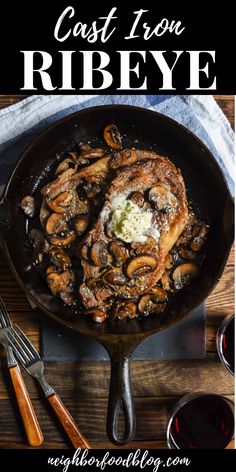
pixel 98 253
pixel 168 261
pixel 55 224
pixel 199 235
pixel 64 239
pixel 183 274
pixel 59 258
pixel 68 163
pixel 186 253
pixel 114 276
pixel 84 251
pixel 112 136
pixel 51 269
pixel 91 154
pixel 98 315
pixel 150 304
pixel 81 224
pixel 126 310
pixel 118 251
pixel 28 206
pixel 61 282
pixel 146 248
pixel 61 203
pixel 159 293
pixel 166 282
pixel 123 158
pixel 141 265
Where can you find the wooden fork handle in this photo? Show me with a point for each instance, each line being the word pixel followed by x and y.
pixel 69 425
pixel 32 428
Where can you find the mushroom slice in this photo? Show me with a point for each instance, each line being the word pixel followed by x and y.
pixel 59 258
pixel 183 274
pixel 118 252
pixel 28 206
pixel 61 282
pixel 81 224
pixel 98 315
pixel 98 253
pixel 185 237
pixel 92 153
pixel 168 261
pixel 158 293
pixel 66 164
pixel 61 203
pixel 55 224
pixel 127 310
pixel 163 199
pixel 186 253
pixel 140 266
pixel 146 248
pixel 84 252
pixel 64 239
pixel 166 282
pixel 199 236
pixel 149 304
pixel 112 136
pixel 137 197
pixel 123 158
pixel 51 269
pixel 114 276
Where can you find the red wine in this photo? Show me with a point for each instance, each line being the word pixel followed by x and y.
pixel 226 344
pixel 203 422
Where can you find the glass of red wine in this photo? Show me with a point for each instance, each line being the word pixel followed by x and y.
pixel 225 343
pixel 201 421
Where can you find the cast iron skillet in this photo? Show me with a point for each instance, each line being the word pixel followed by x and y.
pixel 205 185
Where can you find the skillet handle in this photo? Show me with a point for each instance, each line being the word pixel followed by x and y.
pixel 120 400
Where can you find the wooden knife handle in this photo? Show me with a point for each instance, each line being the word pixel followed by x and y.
pixel 76 437
pixel 32 428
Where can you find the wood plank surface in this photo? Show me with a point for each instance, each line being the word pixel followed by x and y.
pixel 157 385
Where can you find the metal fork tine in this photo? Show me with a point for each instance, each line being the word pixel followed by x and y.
pixel 26 342
pixel 13 345
pixel 17 346
pixel 4 317
pixel 16 338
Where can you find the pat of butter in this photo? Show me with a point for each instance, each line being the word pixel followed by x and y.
pixel 129 222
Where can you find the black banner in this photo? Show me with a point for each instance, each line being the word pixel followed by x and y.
pixel 137 47
pixel 109 460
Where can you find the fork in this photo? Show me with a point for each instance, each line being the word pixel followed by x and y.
pixel 32 428
pixel 32 362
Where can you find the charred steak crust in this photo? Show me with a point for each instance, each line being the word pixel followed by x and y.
pixel 103 282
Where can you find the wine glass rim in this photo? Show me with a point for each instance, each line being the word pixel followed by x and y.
pixel 186 399
pixel 219 336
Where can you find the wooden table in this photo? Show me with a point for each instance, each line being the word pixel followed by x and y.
pixel 84 386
